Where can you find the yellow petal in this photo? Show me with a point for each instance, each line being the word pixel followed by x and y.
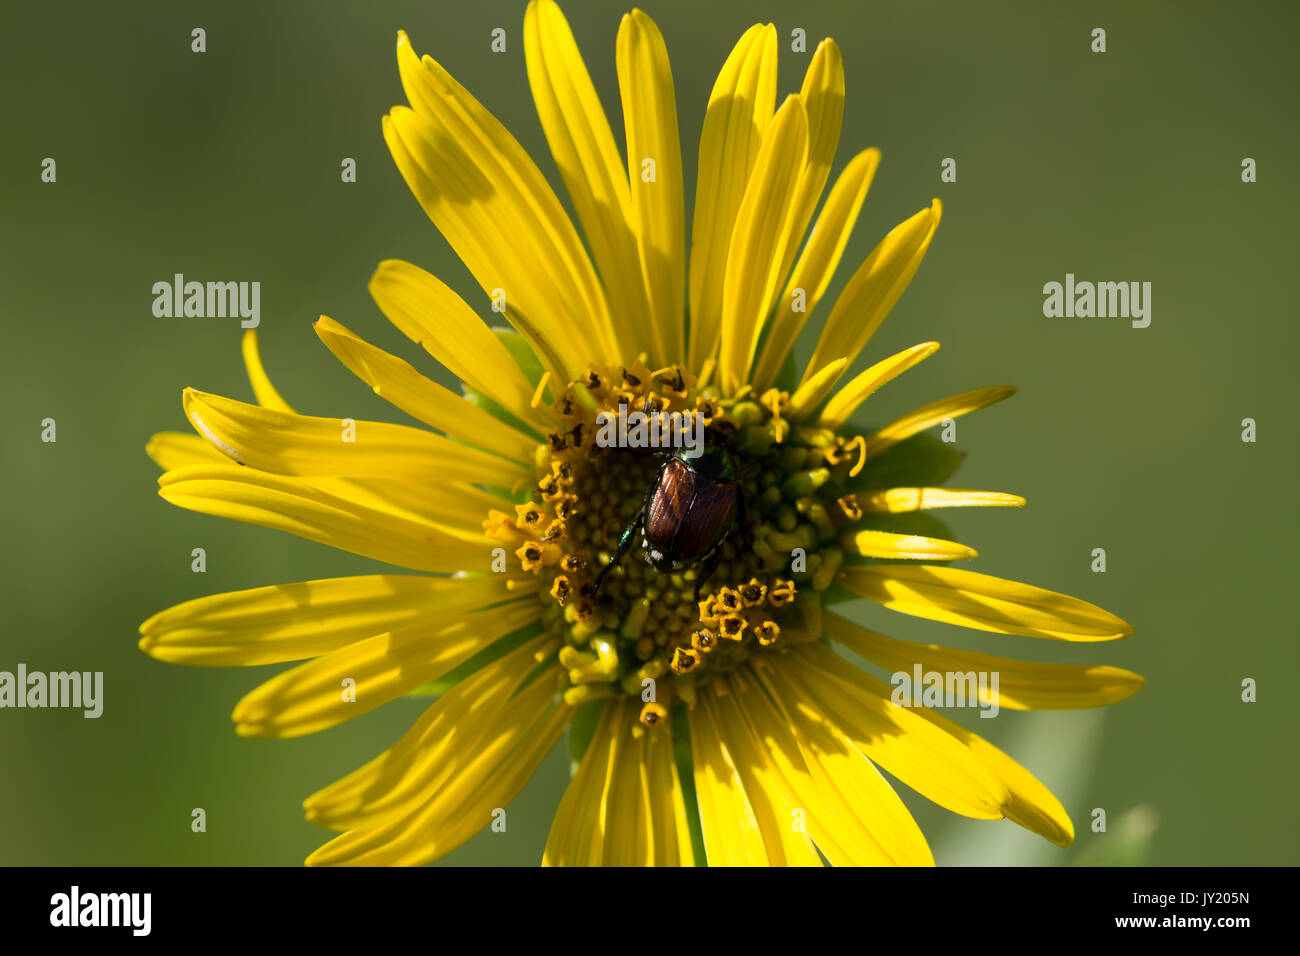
pixel 874 288
pixel 775 807
pixel 395 380
pixel 764 228
pixel 740 108
pixel 1022 685
pixel 912 547
pixel 1020 797
pixel 810 394
pixel 1026 801
pixel 834 828
pixel 313 696
pixel 266 394
pixel 823 98
pixel 461 506
pixel 428 757
pixel 287 622
pixel 624 807
pixel 177 449
pixel 899 500
pixel 666 800
pixel 425 158
pixel 982 602
pixel 289 444
pixel 1028 804
pixel 288 504
pixel 456 505
pixel 817 263
pixel 866 819
pixel 727 820
pixel 588 160
pixel 953 406
pixel 511 193
pixel 628 839
pixel 645 81
pixel 491 779
pixel 846 401
pixel 578 831
pixel 899 739
pixel 430 314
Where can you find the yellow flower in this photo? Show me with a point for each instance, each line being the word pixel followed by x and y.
pixel 718 726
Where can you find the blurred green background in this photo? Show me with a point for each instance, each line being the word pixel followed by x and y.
pixel 225 165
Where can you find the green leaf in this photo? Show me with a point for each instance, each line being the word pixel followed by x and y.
pixel 837 594
pixel 788 378
pixel 522 353
pixel 921 461
pixel 493 652
pixel 582 728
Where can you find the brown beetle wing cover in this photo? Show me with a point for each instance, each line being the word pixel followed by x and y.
pixel 669 504
pixel 707 519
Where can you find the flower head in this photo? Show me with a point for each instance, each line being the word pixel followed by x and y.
pixel 672 611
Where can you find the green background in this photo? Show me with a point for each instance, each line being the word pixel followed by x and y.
pixel 225 165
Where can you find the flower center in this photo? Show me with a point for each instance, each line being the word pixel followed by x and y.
pixel 662 569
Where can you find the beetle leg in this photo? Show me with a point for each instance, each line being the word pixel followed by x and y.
pixel 707 567
pixel 625 542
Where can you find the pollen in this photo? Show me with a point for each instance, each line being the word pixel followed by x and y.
pixel 733 627
pixel 704 640
pixel 685 660
pixel 562 589
pixel 767 632
pixel 752 592
pixel 653 714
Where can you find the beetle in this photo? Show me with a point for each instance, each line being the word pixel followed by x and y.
pixel 688 511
